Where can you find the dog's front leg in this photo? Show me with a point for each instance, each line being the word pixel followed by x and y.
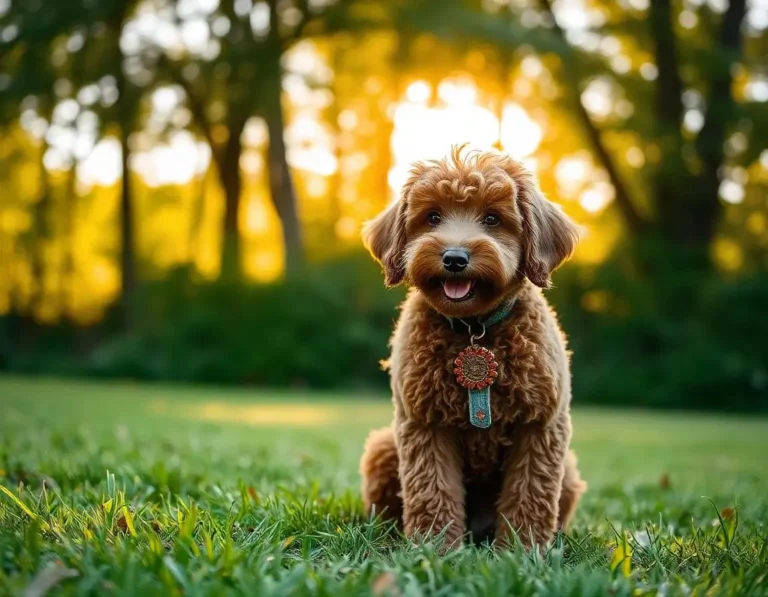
pixel 432 482
pixel 532 482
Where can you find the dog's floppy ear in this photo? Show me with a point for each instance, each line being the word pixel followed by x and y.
pixel 549 235
pixel 384 237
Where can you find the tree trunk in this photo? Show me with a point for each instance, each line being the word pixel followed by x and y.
pixel 687 201
pixel 669 88
pixel 633 219
pixel 125 112
pixel 221 158
pixel 720 114
pixel 127 231
pixel 68 270
pixel 280 183
pixel 40 236
pixel 196 220
pixel 334 186
pixel 232 182
pixel 674 182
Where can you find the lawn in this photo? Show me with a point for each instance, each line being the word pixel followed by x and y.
pixel 123 489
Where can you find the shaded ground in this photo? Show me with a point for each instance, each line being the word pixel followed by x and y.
pixel 236 491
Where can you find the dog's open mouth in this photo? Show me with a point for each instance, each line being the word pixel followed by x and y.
pixel 458 289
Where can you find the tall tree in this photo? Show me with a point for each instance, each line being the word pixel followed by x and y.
pixel 37 69
pixel 245 79
pixel 634 220
pixel 27 60
pixel 685 192
pixel 683 209
pixel 280 182
pixel 124 114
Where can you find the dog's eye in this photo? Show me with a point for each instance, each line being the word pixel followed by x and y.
pixel 433 218
pixel 491 220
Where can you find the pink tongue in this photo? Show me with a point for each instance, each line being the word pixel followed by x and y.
pixel 457 288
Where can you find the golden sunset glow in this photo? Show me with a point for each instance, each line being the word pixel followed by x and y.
pixel 426 122
pixel 423 131
pixel 352 130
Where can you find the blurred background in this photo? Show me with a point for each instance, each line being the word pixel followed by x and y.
pixel 182 183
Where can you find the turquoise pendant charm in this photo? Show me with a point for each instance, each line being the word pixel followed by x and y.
pixel 476 369
pixel 480 407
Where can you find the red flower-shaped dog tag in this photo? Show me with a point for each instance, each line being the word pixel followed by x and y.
pixel 476 368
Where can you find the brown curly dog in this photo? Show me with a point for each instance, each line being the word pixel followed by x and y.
pixel 473 237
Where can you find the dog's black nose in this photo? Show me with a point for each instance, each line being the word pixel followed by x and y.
pixel 455 260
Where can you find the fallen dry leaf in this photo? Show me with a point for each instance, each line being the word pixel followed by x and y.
pixel 48 578
pixel 727 513
pixel 125 521
pixel 664 481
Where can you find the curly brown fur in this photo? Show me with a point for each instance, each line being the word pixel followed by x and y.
pixel 433 471
pixel 381 482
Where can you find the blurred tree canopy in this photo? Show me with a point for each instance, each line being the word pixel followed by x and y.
pixel 182 150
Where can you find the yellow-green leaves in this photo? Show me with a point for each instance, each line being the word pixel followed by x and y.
pixel 622 557
pixel 107 506
pixel 187 523
pixel 23 507
pixel 125 521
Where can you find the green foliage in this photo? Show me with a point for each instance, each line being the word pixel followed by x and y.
pixel 328 327
pixel 656 346
pixel 325 327
pixel 647 327
pixel 137 490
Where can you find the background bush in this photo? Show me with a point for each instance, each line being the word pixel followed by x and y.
pixel 329 328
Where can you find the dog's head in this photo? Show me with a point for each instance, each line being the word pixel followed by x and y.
pixel 467 230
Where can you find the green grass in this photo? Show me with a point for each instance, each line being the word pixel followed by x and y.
pixel 238 491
